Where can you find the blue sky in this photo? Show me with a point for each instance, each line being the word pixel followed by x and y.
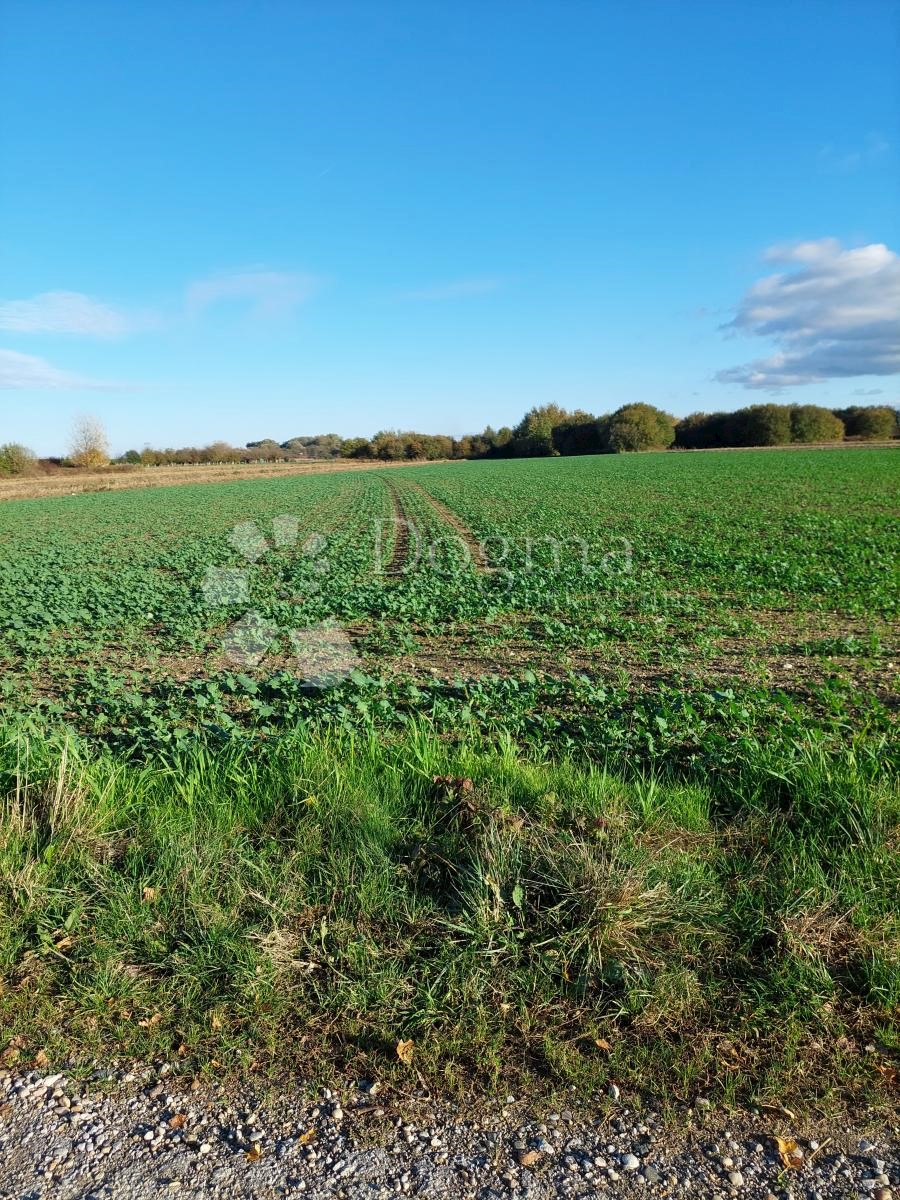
pixel 242 220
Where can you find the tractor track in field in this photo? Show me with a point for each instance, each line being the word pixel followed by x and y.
pixel 400 549
pixel 473 546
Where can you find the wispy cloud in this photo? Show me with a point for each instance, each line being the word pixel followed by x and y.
pixel 70 313
pixel 868 391
pixel 834 317
pixel 454 290
pixel 19 371
pixel 843 160
pixel 266 293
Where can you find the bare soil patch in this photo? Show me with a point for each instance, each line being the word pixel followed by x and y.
pixel 70 482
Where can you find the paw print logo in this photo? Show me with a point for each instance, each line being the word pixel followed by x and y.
pixel 322 654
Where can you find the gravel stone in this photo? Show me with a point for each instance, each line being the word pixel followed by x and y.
pixel 125 1147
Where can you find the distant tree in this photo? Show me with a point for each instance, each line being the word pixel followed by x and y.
pixel 534 433
pixel 320 445
pixel 358 447
pixel 16 459
pixel 388 445
pixel 88 446
pixel 811 423
pixel 437 446
pixel 266 450
pixel 493 443
pixel 638 427
pixel 761 425
pixel 579 434
pixel 132 457
pixel 703 431
pixel 220 452
pixel 470 445
pixel 872 423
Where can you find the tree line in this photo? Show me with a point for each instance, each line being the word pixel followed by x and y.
pixel 543 431
pixel 553 430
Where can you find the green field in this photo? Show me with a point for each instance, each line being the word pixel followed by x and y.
pixel 657 692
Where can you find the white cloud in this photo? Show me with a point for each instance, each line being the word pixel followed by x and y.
pixel 454 290
pixel 836 316
pixel 68 312
pixel 27 371
pixel 268 293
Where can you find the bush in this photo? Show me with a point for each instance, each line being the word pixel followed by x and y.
pixel 16 459
pixel 811 423
pixel 639 427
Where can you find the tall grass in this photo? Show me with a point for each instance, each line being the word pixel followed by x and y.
pixel 317 902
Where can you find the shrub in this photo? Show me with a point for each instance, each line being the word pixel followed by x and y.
pixel 811 423
pixel 16 459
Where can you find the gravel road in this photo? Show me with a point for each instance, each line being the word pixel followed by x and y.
pixel 124 1136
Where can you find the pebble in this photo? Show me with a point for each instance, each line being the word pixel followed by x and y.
pixel 124 1147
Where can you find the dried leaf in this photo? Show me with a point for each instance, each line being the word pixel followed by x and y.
pixel 528 1158
pixel 602 1044
pixel 454 783
pixel 790 1153
pixel 177 1121
pixel 305 1139
pixel 254 1154
pixel 148 895
pixel 12 1052
pixel 150 1022
pixel 405 1052
pixel 41 1059
pixel 888 1074
pixel 215 1021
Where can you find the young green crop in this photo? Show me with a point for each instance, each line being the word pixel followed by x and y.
pixel 643 578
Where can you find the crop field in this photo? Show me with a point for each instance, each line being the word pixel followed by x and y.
pixel 566 769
